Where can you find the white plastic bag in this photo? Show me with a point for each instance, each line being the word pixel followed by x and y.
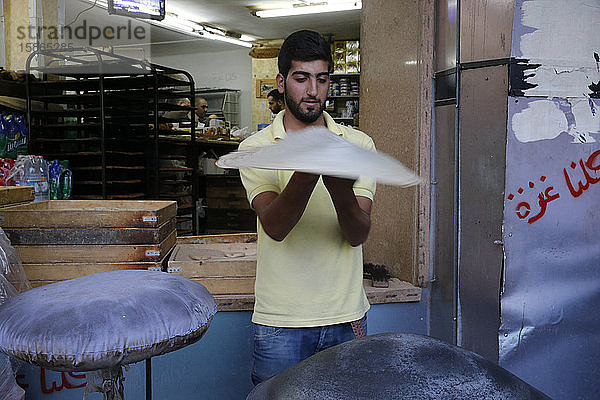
pixel 11 267
pixel 9 390
pixel 11 275
pixel 242 133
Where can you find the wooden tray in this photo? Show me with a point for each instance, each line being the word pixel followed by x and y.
pixel 16 194
pixel 228 238
pixel 42 282
pixel 221 286
pixel 224 264
pixel 100 253
pixel 95 236
pixel 63 271
pixel 89 214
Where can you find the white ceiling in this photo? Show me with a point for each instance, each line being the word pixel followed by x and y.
pixel 235 15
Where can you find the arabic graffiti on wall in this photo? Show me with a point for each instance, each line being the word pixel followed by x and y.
pixel 550 288
pixel 52 382
pixel 549 295
pixel 585 173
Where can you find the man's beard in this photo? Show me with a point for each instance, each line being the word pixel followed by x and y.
pixel 308 117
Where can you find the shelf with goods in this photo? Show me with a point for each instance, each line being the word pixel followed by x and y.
pixel 344 98
pixel 105 114
pixel 344 91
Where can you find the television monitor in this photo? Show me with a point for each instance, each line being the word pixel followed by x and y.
pixel 148 9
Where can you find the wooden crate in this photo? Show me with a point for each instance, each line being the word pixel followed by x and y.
pixel 89 214
pixel 43 274
pixel 228 238
pixel 222 264
pixel 91 236
pixel 105 253
pixel 11 195
pixel 227 285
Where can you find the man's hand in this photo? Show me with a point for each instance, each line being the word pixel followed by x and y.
pixel 353 212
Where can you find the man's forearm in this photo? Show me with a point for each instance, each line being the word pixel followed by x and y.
pixel 279 214
pixel 354 214
pixel 355 223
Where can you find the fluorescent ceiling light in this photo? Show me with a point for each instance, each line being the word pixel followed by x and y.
pixel 196 30
pixel 331 6
pixel 179 24
pixel 227 39
pixel 247 38
pixel 214 31
pixel 186 23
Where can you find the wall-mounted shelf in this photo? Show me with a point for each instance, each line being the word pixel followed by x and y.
pixel 343 98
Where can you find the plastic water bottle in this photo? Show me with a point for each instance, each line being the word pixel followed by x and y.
pixel 65 184
pixel 33 171
pixel 54 170
pixel 42 185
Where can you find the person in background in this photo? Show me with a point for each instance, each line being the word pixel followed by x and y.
pixel 201 111
pixel 276 102
pixel 180 115
pixel 309 291
pixel 183 115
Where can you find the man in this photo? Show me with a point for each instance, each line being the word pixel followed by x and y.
pixel 182 115
pixel 276 103
pixel 309 292
pixel 201 110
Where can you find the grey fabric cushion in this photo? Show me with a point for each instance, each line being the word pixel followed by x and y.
pixel 104 319
pixel 395 366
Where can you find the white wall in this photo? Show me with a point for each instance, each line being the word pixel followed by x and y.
pixel 226 69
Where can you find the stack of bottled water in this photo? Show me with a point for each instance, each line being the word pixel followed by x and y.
pixel 50 181
pixel 30 170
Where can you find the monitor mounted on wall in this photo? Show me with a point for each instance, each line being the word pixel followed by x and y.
pixel 147 9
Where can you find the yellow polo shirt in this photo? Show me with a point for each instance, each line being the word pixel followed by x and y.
pixel 313 277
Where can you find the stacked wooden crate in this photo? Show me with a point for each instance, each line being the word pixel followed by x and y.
pixel 228 210
pixel 224 264
pixel 15 195
pixel 63 239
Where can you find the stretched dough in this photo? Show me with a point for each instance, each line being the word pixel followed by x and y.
pixel 319 151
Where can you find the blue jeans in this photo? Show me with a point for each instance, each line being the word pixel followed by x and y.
pixel 276 349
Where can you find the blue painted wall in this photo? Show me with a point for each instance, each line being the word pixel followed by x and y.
pixel 218 366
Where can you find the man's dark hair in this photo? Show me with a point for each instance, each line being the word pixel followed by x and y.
pixel 303 45
pixel 276 95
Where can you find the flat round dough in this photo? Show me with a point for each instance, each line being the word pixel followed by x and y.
pixel 317 150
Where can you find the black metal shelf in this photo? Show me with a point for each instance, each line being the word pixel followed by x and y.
pixel 104 112
pixel 110 83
